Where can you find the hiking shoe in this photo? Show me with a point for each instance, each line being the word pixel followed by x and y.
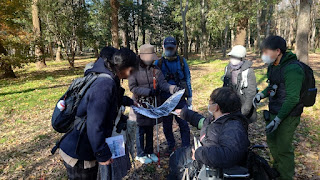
pixel 153 157
pixel 144 159
pixel 169 151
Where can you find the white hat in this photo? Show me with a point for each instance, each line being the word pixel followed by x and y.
pixel 238 51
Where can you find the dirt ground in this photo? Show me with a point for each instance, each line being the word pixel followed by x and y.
pixel 26 135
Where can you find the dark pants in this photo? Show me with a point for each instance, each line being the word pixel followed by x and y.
pixel 183 125
pixel 148 148
pixel 79 173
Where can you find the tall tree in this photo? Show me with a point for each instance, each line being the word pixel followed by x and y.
pixel 14 37
pixel 39 50
pixel 203 45
pixel 185 35
pixel 303 28
pixel 115 27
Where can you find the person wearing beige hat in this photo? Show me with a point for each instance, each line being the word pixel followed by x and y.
pixel 141 84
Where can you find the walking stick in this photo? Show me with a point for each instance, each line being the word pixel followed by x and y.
pixel 155 105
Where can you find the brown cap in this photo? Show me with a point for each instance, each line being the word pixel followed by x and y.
pixel 147 53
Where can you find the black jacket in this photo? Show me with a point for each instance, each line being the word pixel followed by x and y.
pixel 225 140
pixel 99 105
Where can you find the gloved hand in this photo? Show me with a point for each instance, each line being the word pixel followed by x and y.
pixel 273 125
pixel 189 103
pixel 154 92
pixel 257 98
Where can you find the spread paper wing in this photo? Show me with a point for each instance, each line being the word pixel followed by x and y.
pixel 164 109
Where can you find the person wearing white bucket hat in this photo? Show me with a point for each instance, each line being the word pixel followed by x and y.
pixel 146 84
pixel 239 75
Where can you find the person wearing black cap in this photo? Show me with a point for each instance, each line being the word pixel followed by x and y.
pixel 176 72
pixel 285 78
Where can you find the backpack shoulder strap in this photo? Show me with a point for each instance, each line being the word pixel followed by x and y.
pixel 181 62
pixel 244 80
pixel 160 62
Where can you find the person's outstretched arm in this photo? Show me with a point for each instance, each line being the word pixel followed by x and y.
pixel 194 118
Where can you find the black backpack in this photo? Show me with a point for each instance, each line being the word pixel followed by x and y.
pixel 64 121
pixel 259 168
pixel 309 91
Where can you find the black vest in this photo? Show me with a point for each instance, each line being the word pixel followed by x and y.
pixel 276 77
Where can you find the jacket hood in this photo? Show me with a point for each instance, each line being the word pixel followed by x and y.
pixel 99 67
pixel 246 65
pixel 287 57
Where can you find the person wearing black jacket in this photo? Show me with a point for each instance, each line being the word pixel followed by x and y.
pixel 82 152
pixel 223 135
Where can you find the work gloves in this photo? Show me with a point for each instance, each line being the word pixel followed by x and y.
pixel 273 125
pixel 257 98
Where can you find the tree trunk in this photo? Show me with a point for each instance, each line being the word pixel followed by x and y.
pixel 204 31
pixel 185 34
pixel 5 67
pixel 58 52
pixel 241 32
pixel 225 34
pixel 303 28
pixel 269 20
pixel 258 39
pixel 143 29
pixel 313 27
pixel 114 19
pixel 39 50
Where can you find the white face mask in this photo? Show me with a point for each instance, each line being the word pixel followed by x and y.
pixel 148 63
pixel 210 112
pixel 267 59
pixel 234 61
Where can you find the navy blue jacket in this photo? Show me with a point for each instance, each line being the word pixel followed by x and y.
pixel 225 140
pixel 175 66
pixel 100 105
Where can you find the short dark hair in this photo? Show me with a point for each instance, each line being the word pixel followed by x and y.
pixel 227 99
pixel 124 58
pixel 273 43
pixel 106 54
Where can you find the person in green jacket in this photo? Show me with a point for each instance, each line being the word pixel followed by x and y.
pixel 285 78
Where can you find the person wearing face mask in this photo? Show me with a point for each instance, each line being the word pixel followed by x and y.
pixel 141 85
pixel 176 71
pixel 285 78
pixel 239 75
pixel 223 134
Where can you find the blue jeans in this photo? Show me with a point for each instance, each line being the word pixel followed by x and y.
pixel 183 125
pixel 148 148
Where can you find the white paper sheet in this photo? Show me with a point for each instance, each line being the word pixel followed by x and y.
pixel 164 110
pixel 116 145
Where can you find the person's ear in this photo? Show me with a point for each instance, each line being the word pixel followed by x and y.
pixel 279 52
pixel 217 108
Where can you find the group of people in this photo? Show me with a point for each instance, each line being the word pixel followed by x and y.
pixel 223 134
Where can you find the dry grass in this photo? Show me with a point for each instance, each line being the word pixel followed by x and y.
pixel 26 104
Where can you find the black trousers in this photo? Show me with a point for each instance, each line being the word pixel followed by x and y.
pixel 79 173
pixel 144 148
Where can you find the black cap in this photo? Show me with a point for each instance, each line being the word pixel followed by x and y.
pixel 170 42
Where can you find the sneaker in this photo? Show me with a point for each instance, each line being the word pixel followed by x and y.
pixel 169 151
pixel 153 157
pixel 144 159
